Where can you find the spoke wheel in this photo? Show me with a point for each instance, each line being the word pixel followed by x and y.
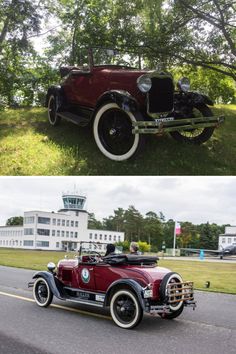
pixel 53 118
pixel 125 309
pixel 196 136
pixel 113 133
pixel 42 292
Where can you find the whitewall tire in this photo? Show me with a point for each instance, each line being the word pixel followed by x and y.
pixel 42 293
pixel 112 130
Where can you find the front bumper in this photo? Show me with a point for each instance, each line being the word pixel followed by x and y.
pixel 169 124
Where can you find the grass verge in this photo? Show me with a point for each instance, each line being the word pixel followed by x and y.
pixel 30 146
pixel 221 275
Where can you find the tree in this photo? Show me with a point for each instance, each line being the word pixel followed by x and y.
pixel 153 230
pixel 93 223
pixel 15 220
pixel 206 30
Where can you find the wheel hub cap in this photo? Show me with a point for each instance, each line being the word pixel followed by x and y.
pixel 112 132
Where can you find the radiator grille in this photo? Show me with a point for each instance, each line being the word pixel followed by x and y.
pixel 161 95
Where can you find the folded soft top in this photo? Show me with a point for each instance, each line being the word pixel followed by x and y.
pixel 130 259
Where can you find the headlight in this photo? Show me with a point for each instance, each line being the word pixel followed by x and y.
pixel 184 84
pixel 144 83
pixel 51 266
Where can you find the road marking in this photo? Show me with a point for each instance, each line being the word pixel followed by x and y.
pixel 71 309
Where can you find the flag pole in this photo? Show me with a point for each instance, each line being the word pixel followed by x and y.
pixel 174 242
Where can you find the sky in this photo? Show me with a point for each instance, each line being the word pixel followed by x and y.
pixel 194 199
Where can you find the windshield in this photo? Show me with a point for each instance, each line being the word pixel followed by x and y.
pixel 136 59
pixel 87 247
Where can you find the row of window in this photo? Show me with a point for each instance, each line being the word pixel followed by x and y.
pixel 228 240
pixel 27 243
pixel 11 232
pixel 46 232
pixel 102 237
pixel 47 221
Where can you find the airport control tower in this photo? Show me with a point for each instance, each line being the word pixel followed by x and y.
pixel 73 202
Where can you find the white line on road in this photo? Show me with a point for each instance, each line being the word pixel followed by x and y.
pixel 72 309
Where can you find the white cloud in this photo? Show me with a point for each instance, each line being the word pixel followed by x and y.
pixel 195 199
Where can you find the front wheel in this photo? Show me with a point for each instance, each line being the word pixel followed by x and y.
pixel 112 130
pixel 195 136
pixel 125 309
pixel 42 293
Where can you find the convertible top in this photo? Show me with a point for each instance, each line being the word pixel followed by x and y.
pixel 130 259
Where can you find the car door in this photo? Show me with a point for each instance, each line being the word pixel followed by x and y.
pixel 85 277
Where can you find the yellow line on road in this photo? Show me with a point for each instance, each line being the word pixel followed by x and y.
pixel 72 309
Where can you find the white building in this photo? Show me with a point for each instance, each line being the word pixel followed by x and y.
pixel 57 231
pixel 228 238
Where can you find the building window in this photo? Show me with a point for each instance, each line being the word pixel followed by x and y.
pixel 28 243
pixel 42 220
pixel 223 240
pixel 29 220
pixel 42 244
pixel 28 231
pixel 90 236
pixel 114 237
pixel 109 237
pixel 229 240
pixel 57 244
pixel 100 237
pixel 95 237
pixel 72 223
pixel 76 234
pixel 43 232
pixel 58 222
pixel 105 237
pixel 58 233
pixel 62 233
pixel 54 221
pixel 63 222
pixel 76 224
pixel 67 223
pixel 71 234
pixel 67 233
pixel 53 232
pixel 119 238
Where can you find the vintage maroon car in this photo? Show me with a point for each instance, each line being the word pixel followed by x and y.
pixel 128 284
pixel 125 103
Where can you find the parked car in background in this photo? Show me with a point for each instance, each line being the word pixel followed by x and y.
pixel 130 285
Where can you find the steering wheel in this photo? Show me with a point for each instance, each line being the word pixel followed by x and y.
pixel 96 256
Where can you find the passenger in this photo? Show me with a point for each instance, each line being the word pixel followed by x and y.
pixel 134 248
pixel 110 249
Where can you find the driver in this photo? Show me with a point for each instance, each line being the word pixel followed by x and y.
pixel 110 249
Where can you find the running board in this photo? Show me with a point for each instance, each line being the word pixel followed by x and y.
pixel 74 118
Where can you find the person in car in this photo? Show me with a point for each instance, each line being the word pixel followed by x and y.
pixel 110 249
pixel 134 248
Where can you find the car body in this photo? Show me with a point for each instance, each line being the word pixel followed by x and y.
pixel 128 284
pixel 124 104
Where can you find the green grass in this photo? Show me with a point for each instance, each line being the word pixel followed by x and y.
pixel 29 146
pixel 221 275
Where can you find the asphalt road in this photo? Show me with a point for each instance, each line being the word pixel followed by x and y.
pixel 65 328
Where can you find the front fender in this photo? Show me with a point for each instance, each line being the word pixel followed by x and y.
pixel 136 287
pixel 122 98
pixel 54 284
pixel 193 98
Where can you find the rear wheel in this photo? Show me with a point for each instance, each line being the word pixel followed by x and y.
pixel 125 309
pixel 113 135
pixel 196 136
pixel 53 117
pixel 42 292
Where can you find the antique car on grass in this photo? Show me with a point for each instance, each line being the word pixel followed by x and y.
pixel 125 103
pixel 130 285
